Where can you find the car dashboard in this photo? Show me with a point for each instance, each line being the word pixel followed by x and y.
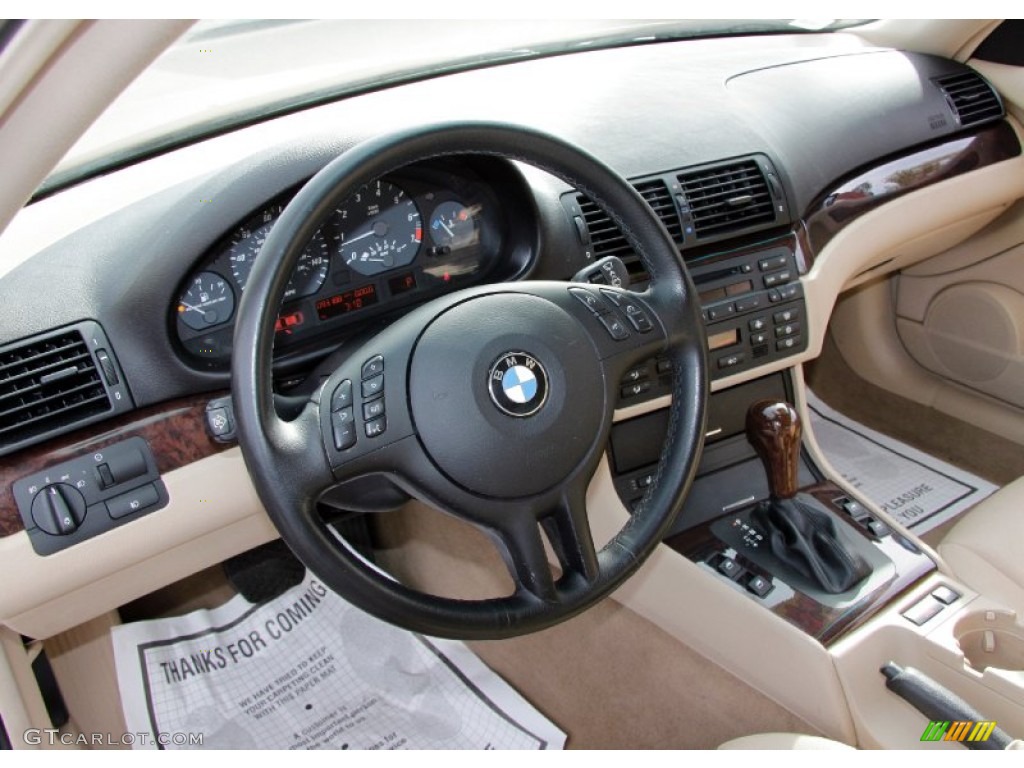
pixel 767 160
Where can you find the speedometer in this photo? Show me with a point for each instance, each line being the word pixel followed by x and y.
pixel 248 239
pixel 378 228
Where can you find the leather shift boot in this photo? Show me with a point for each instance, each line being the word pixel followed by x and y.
pixel 806 539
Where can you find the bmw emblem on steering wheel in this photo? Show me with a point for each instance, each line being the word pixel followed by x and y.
pixel 518 384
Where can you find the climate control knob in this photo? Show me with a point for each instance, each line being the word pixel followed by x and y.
pixel 58 509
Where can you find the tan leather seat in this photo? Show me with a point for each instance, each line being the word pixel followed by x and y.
pixel 986 548
pixel 783 741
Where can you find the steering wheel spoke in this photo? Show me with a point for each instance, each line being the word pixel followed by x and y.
pixel 568 530
pixel 522 548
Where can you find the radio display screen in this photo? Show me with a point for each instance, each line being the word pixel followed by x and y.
pixel 724 339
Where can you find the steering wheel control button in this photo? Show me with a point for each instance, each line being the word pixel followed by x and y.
pixel 58 509
pixel 518 384
pixel 373 409
pixel 342 397
pixel 343 425
pixel 373 367
pixel 590 300
pixel 373 387
pixel 635 390
pixel 634 312
pixel 615 327
pixel 376 427
pixel 133 501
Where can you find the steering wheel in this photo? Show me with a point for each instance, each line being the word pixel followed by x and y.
pixel 493 404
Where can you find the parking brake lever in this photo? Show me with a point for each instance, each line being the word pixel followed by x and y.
pixel 940 704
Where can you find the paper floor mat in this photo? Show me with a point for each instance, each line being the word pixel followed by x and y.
pixel 309 671
pixel 919 490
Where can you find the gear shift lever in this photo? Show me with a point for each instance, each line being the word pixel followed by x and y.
pixel 774 429
pixel 802 534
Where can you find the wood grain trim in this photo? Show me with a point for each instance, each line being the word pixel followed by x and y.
pixel 175 431
pixel 833 211
pixel 821 622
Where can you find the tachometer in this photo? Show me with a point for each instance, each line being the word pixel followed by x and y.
pixel 207 301
pixel 246 241
pixel 378 229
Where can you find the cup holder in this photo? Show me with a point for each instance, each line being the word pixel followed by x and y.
pixel 991 639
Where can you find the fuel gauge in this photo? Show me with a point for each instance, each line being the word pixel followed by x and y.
pixel 453 225
pixel 207 301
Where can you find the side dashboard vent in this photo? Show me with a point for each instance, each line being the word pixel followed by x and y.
pixel 724 199
pixel 607 240
pixel 971 98
pixel 49 384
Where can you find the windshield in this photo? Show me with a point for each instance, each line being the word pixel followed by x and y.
pixel 222 74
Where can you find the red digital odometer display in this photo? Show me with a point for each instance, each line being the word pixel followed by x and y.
pixel 349 301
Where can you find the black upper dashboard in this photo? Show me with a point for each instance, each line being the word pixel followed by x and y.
pixel 818 108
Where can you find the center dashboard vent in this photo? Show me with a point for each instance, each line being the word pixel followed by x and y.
pixel 52 383
pixel 726 198
pixel 698 205
pixel 971 98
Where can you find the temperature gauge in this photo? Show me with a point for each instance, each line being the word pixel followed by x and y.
pixel 453 225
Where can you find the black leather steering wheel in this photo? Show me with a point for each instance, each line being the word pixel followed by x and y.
pixel 493 404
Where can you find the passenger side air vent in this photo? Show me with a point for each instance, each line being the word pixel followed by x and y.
pixel 972 99
pixel 51 383
pixel 607 240
pixel 727 198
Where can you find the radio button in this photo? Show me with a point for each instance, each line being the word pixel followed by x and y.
pixel 775 262
pixel 786 315
pixel 748 303
pixel 781 331
pixel 789 291
pixel 758 324
pixel 721 311
pixel 777 278
pixel 788 343
pixel 731 360
pixel 758 338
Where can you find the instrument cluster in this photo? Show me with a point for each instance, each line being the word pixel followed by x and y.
pixel 397 241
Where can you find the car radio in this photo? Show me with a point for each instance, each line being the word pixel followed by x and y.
pixel 754 313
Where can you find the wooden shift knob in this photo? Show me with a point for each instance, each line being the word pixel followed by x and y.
pixel 774 429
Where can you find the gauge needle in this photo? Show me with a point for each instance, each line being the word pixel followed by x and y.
pixel 446 228
pixel 365 234
pixel 189 306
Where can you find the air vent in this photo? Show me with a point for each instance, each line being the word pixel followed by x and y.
pixel 607 240
pixel 971 98
pixel 51 383
pixel 727 198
